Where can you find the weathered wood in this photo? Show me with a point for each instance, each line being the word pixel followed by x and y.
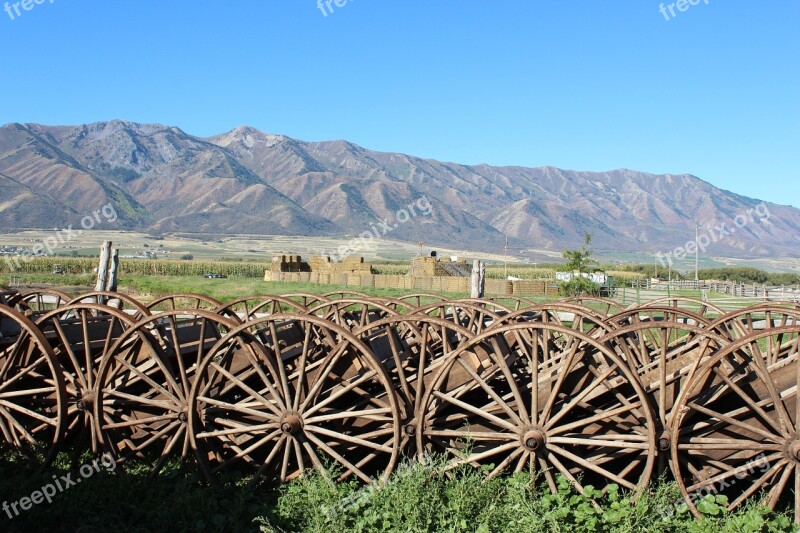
pixel 478 280
pixel 112 271
pixel 102 268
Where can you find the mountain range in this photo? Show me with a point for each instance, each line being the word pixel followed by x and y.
pixel 161 180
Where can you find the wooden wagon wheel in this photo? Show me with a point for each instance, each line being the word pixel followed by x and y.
pixel 664 355
pixel 338 295
pixel 7 296
pixel 301 393
pixel 605 306
pixel 655 314
pixel 32 392
pixel 699 307
pixel 736 428
pixel 421 298
pixel 745 322
pixel 123 302
pixel 519 302
pixel 141 407
pixel 574 316
pixel 36 301
pixel 559 402
pixel 306 299
pixel 398 306
pixel 474 318
pixel 487 303
pixel 252 307
pixel 353 313
pixel 171 302
pixel 80 336
pixel 411 349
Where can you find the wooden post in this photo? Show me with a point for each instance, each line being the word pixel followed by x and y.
pixel 102 269
pixel 112 274
pixel 477 281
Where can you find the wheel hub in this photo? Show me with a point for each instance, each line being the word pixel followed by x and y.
pixel 794 451
pixel 533 439
pixel 291 423
pixel 85 403
pixel 664 442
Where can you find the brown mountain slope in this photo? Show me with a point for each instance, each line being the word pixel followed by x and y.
pixel 247 181
pixel 183 183
pixel 541 207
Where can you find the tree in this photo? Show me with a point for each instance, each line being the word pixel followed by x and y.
pixel 580 262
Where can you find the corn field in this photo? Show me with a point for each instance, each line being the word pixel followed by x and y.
pixel 46 265
pixel 144 267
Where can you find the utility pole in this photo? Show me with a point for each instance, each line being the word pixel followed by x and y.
pixel 655 263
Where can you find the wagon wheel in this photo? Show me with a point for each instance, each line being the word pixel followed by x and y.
pixel 420 299
pixel 655 314
pixel 574 316
pixel 397 306
pixel 699 307
pixel 736 428
pixel 559 402
pixel 744 322
pixel 142 389
pixel 171 302
pixel 338 295
pixel 123 302
pixel 487 303
pixel 81 335
pixel 353 313
pixel 409 347
pixel 307 300
pixel 39 301
pixel 517 302
pixel 664 355
pixel 252 307
pixel 303 395
pixel 32 392
pixel 603 305
pixel 7 296
pixel 474 318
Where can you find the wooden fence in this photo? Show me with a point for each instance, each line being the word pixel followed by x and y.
pixel 494 287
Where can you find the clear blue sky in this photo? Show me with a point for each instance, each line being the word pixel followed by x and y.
pixel 580 84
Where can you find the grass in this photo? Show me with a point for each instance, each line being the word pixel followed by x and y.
pixel 147 287
pixel 418 497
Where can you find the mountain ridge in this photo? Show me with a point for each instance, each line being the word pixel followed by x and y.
pixel 164 179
